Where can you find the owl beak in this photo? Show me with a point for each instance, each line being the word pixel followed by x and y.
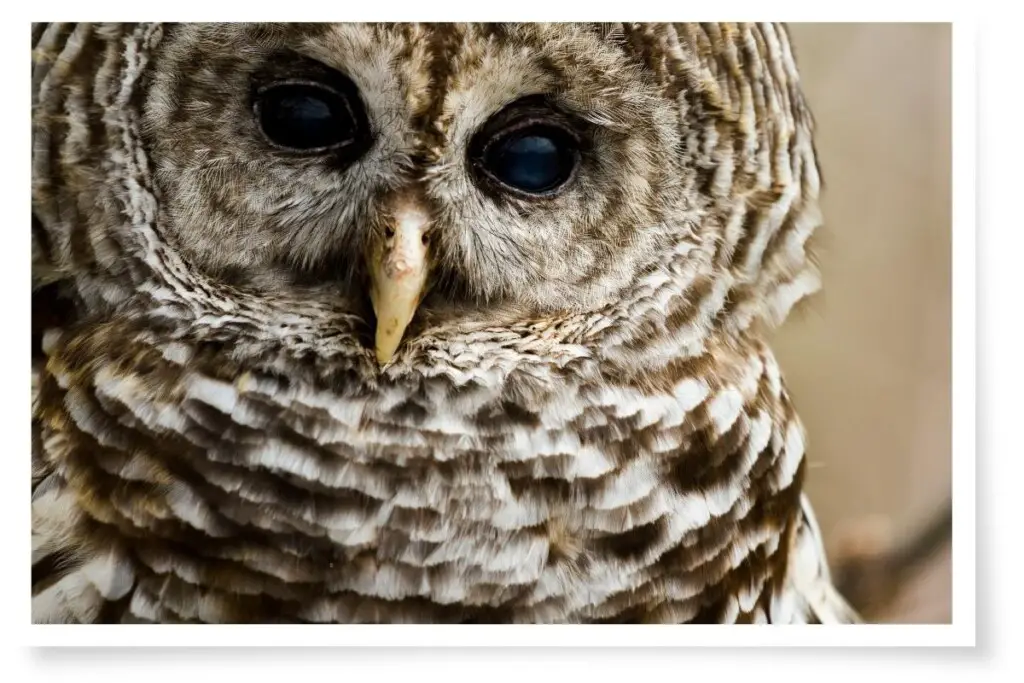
pixel 398 276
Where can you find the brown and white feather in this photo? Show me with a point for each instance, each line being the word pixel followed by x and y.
pixel 585 423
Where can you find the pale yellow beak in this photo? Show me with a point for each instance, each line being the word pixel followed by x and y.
pixel 398 276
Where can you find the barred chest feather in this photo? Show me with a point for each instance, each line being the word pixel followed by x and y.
pixel 203 492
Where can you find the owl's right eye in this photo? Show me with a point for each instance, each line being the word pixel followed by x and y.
pixel 311 117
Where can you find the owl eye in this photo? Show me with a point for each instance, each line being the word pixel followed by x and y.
pixel 536 160
pixel 530 148
pixel 310 117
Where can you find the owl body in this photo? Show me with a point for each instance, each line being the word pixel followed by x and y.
pixel 574 416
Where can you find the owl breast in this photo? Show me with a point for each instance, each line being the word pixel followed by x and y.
pixel 226 495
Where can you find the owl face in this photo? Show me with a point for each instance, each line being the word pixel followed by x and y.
pixel 421 174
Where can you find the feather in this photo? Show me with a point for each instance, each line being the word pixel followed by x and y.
pixel 582 422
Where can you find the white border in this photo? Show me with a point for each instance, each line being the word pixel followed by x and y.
pixel 529 635
pixel 964 296
pixel 961 632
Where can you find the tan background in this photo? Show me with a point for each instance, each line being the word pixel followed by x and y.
pixel 869 364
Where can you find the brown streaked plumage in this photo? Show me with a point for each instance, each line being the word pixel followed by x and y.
pixel 581 422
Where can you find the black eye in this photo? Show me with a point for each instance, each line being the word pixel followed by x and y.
pixel 309 117
pixel 535 160
pixel 528 148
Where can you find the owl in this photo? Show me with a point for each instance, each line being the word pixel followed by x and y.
pixel 420 323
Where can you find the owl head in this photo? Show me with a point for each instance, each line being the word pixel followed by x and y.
pixel 409 196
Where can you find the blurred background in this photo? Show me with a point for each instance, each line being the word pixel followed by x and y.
pixel 869 362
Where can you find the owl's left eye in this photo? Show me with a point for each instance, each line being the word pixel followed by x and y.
pixel 536 160
pixel 528 149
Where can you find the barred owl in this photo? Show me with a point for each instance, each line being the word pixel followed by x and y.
pixel 420 323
